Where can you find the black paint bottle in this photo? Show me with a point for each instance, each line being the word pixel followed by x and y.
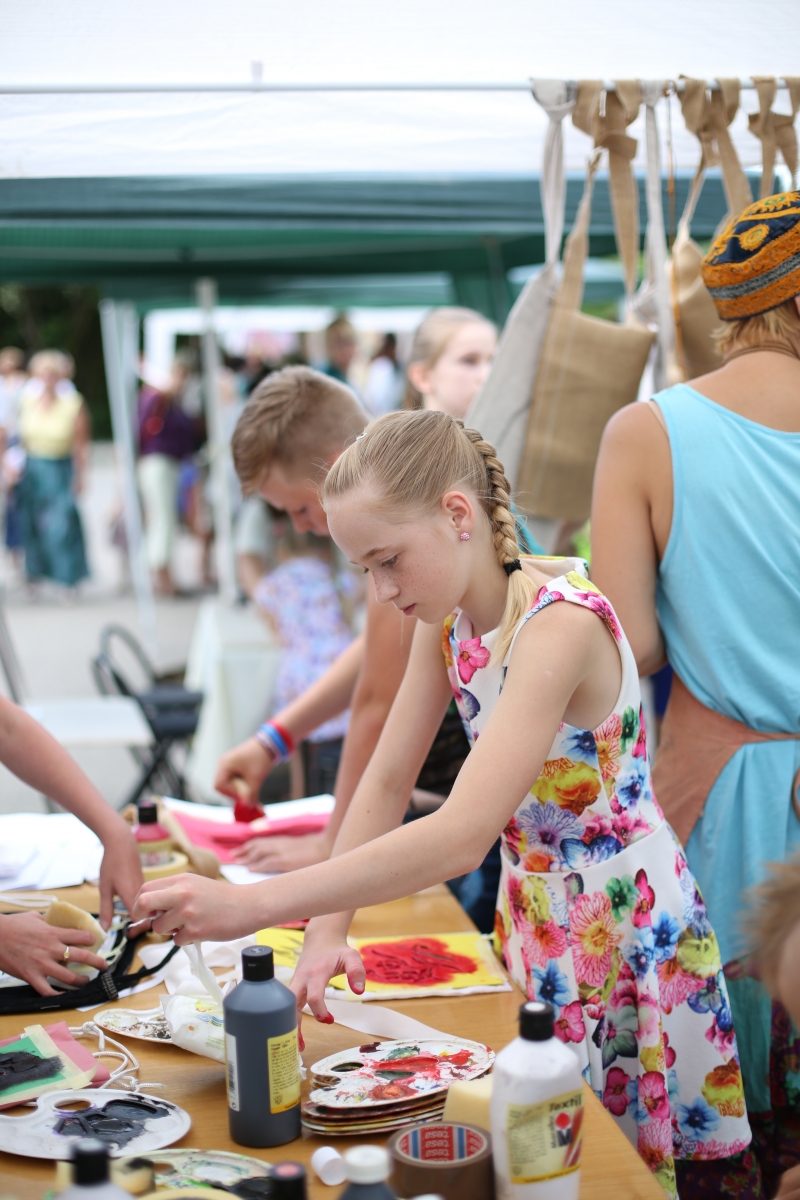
pixel 261 1055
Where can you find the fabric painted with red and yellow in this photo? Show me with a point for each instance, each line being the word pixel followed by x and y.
pixel 599 915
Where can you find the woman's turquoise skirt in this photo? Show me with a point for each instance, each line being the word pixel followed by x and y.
pixel 51 526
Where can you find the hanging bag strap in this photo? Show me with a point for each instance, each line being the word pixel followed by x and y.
pixel 658 284
pixel 707 115
pixel 607 129
pixel 557 98
pixel 775 131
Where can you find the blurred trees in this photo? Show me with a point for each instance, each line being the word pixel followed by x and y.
pixel 39 318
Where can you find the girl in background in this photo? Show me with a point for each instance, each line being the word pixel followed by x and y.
pixel 451 356
pixel 309 605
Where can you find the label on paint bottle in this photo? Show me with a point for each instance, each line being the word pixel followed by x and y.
pixel 284 1071
pixel 544 1140
pixel 231 1072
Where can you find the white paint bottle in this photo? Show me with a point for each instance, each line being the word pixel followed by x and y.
pixel 537 1112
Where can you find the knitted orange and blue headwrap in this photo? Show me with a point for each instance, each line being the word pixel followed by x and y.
pixel 754 265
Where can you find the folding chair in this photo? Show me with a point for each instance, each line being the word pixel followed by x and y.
pixel 171 710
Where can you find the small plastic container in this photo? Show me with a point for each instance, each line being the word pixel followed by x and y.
pixel 368 1168
pixel 90 1173
pixel 288 1182
pixel 153 840
pixel 329 1166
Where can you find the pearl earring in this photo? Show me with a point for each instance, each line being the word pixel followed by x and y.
pixel 464 536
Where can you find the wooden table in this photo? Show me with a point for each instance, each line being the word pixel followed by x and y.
pixel 610 1165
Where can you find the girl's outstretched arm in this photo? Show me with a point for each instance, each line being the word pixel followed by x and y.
pixel 564 664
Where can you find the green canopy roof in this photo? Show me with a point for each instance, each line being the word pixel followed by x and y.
pixel 148 239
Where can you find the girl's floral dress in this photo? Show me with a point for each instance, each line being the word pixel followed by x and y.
pixel 599 914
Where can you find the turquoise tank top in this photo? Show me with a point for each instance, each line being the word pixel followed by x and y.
pixel 728 600
pixel 728 594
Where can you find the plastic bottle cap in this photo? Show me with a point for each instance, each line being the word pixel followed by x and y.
pixel 148 813
pixel 367 1164
pixel 90 1161
pixel 536 1021
pixel 329 1165
pixel 288 1179
pixel 257 964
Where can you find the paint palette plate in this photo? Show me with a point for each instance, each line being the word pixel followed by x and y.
pixel 145 1024
pixel 383 1074
pixel 206 1168
pixel 128 1122
pixel 356 1128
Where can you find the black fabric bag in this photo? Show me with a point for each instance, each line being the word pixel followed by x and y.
pixel 103 989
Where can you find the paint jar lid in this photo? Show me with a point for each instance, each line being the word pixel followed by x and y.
pixel 367 1164
pixel 257 964
pixel 147 812
pixel 536 1021
pixel 89 1161
pixel 288 1180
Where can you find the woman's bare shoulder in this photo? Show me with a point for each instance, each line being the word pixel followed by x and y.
pixel 636 435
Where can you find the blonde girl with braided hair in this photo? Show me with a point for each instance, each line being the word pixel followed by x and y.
pixel 597 912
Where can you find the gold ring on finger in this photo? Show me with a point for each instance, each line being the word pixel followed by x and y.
pixel 65 955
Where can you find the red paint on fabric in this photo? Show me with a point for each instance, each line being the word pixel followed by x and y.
pixel 415 962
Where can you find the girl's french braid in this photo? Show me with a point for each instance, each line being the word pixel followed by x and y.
pixel 504 529
pixel 521 591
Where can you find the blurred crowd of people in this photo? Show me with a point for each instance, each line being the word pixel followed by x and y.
pixel 45 432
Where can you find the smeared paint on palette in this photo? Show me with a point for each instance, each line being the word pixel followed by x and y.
pixel 127 1121
pixel 391 1073
pixel 145 1024
pixel 206 1168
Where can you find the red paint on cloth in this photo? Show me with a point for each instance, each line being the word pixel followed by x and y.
pixel 223 839
pixel 414 961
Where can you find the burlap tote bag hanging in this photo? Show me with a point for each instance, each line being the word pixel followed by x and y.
pixel 500 410
pixel 589 368
pixel 707 115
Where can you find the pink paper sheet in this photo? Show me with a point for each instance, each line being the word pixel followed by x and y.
pixel 80 1055
pixel 223 839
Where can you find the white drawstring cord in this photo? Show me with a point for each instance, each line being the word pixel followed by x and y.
pixel 123 1076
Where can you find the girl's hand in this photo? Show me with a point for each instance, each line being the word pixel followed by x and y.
pixel 275 855
pixel 249 763
pixel 191 908
pixel 322 959
pixel 790 1185
pixel 120 872
pixel 30 949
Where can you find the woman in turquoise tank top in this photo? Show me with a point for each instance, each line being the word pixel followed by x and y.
pixel 696 542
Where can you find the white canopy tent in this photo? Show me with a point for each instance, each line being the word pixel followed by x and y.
pixel 353 41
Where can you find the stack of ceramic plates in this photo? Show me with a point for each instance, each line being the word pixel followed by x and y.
pixel 385 1085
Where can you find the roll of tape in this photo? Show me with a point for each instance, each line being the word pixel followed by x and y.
pixel 453 1161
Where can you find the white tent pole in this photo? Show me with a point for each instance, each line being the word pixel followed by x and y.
pixel 88 89
pixel 119 327
pixel 219 449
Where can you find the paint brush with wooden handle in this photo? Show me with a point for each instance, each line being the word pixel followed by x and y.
pixel 246 809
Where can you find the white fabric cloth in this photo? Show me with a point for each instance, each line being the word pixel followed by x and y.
pixel 383 391
pixel 233 660
pixel 158 483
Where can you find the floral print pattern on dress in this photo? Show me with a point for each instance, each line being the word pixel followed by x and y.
pixel 599 914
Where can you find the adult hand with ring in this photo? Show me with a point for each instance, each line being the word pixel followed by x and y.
pixel 33 951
